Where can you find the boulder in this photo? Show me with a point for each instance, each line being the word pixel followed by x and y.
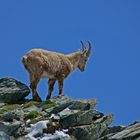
pixel 76 119
pixel 17 114
pixel 4 136
pixel 131 132
pixel 12 91
pixel 92 131
pixel 78 105
pixel 8 128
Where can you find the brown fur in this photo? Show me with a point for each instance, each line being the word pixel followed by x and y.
pixel 56 66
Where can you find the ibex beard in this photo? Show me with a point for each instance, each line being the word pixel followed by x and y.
pixel 41 63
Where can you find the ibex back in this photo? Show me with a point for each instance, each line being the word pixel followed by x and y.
pixel 55 66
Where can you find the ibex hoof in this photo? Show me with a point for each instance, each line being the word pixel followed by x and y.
pixel 37 99
pixel 60 95
pixel 48 97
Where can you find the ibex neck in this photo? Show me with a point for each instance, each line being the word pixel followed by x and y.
pixel 74 58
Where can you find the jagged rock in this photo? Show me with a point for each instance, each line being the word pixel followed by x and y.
pixel 61 107
pixel 12 91
pixel 78 105
pixel 10 129
pixel 92 131
pixel 105 119
pixel 65 112
pixel 131 132
pixel 110 131
pixel 4 136
pixel 76 119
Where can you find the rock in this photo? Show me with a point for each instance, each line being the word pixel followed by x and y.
pixel 2 104
pixel 55 117
pixel 8 116
pixel 92 131
pixel 110 131
pixel 76 119
pixel 60 100
pixel 12 91
pixel 78 105
pixel 61 107
pixel 106 119
pixel 132 132
pixel 15 114
pixel 10 129
pixel 65 112
pixel 4 136
pixel 33 108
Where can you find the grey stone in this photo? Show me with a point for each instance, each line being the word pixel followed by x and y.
pixel 131 132
pixel 12 91
pixel 10 129
pixel 76 119
pixel 9 116
pixel 4 136
pixel 61 107
pixel 2 104
pixel 33 108
pixel 65 112
pixel 78 105
pixel 60 100
pixel 90 132
pixel 15 114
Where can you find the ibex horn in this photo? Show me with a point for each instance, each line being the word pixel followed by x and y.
pixel 89 49
pixel 83 46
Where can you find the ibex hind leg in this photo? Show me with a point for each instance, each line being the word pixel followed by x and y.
pixel 33 85
pixel 51 83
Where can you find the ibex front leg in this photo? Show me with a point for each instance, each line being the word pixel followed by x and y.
pixel 60 84
pixel 51 83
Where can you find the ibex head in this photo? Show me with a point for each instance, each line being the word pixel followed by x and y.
pixel 85 55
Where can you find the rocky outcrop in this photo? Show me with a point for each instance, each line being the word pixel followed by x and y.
pixel 56 119
pixel 131 132
pixel 12 91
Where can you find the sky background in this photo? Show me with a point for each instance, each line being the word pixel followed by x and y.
pixel 112 75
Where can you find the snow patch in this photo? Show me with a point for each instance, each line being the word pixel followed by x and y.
pixel 36 129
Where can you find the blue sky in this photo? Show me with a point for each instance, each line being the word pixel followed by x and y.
pixel 113 26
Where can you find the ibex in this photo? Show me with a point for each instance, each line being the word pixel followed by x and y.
pixel 55 66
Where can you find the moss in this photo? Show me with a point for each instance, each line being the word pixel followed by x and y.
pixel 11 107
pixel 2 111
pixel 46 106
pixel 31 103
pixel 32 115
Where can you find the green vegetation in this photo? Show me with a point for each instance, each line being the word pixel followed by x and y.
pixel 46 106
pixel 32 115
pixel 31 103
pixel 11 107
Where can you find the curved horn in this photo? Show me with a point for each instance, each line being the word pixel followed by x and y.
pixel 89 49
pixel 83 46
